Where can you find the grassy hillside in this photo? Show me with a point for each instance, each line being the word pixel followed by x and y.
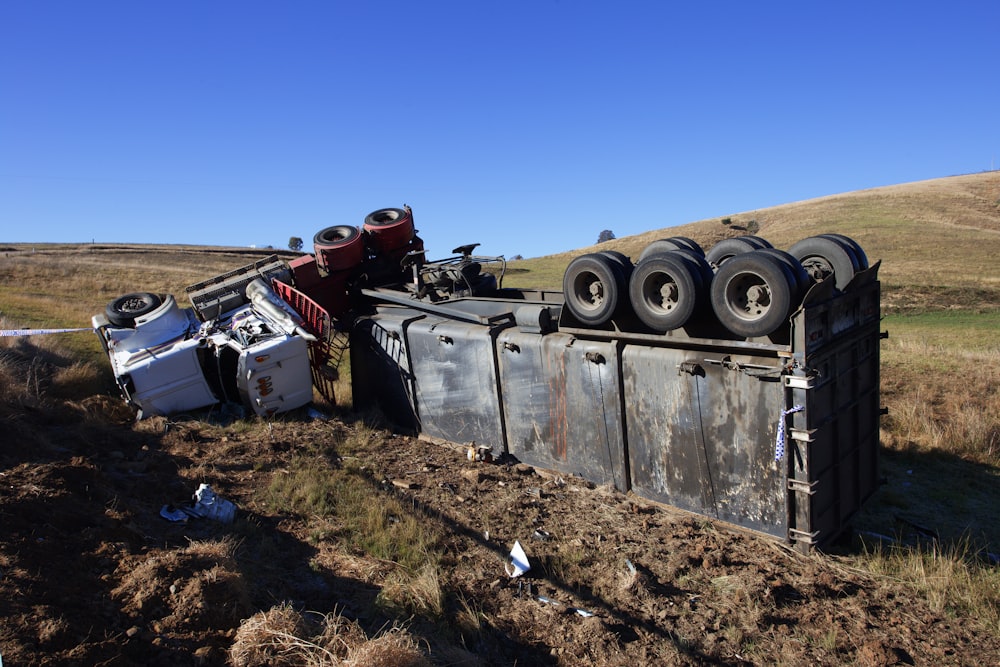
pixel 942 234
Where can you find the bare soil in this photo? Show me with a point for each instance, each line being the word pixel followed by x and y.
pixel 91 574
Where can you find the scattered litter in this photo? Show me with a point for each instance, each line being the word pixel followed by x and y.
pixel 403 484
pixel 542 535
pixel 630 566
pixel 519 561
pixel 556 603
pixel 211 506
pixel 479 453
pixel 316 414
pixel 205 504
pixel 171 513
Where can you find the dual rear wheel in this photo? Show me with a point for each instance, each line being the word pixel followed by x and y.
pixel 750 287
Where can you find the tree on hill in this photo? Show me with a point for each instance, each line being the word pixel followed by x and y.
pixel 605 235
pixel 295 243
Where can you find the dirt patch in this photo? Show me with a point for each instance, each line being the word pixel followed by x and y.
pixel 92 574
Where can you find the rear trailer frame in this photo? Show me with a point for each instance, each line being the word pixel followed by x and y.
pixel 777 435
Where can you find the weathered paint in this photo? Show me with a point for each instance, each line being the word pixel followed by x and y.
pixel 678 419
pixel 701 431
pixel 455 379
pixel 562 403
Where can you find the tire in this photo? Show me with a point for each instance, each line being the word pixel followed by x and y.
pixel 801 282
pixel 859 252
pixel 593 285
pixel 704 268
pixel 339 247
pixel 826 258
pixel 672 243
pixel 389 228
pixel 123 311
pixel 665 291
pixel 761 243
pixel 726 249
pixel 751 295
pixel 622 260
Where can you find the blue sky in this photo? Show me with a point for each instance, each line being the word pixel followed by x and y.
pixel 528 127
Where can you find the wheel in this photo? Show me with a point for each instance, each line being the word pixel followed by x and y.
pixel 704 268
pixel 823 258
pixel 690 244
pixel 622 260
pixel 672 243
pixel 751 295
pixel 592 286
pixel 859 252
pixel 339 247
pixel 389 228
pixel 801 282
pixel 123 311
pixel 761 243
pixel 665 291
pixel 726 249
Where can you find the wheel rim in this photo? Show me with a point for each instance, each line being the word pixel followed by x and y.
pixel 749 296
pixel 133 304
pixel 817 267
pixel 660 292
pixel 589 289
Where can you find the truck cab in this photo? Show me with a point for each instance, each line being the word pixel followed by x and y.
pixel 238 346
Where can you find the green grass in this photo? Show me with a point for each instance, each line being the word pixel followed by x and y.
pixel 952 330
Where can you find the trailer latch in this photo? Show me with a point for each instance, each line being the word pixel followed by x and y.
pixel 691 368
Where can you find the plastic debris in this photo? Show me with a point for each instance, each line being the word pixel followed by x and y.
pixel 519 561
pixel 211 506
pixel 481 453
pixel 313 413
pixel 171 513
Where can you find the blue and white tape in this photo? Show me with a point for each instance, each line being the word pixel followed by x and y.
pixel 779 445
pixel 5 333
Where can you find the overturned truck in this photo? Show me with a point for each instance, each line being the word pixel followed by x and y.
pixel 741 383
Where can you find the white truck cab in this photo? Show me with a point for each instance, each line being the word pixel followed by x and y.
pixel 240 344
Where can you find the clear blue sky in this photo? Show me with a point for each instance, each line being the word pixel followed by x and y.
pixel 526 126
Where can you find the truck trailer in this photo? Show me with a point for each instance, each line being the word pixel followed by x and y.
pixel 740 384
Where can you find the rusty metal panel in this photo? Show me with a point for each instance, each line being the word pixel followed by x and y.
pixel 455 380
pixel 701 431
pixel 562 403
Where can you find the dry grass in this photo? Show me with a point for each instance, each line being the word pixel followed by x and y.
pixel 366 518
pixel 282 637
pixel 955 579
